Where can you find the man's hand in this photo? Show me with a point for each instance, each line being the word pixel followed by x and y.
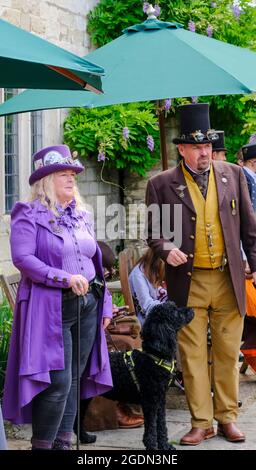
pixel 79 284
pixel 248 274
pixel 176 257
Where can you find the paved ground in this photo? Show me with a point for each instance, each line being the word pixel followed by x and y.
pixel 178 421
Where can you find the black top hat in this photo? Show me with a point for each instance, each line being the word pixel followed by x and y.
pixel 249 151
pixel 219 144
pixel 195 125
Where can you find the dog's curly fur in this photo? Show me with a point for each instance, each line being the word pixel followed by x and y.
pixel 158 338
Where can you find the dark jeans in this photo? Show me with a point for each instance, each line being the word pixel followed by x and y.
pixel 54 409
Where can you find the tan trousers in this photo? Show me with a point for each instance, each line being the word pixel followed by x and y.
pixel 212 297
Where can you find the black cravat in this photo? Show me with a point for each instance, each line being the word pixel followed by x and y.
pixel 201 180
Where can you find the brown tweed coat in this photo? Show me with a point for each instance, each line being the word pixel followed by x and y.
pixel 169 187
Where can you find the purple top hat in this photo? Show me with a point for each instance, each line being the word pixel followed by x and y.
pixel 51 159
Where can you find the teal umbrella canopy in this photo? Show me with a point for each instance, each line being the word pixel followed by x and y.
pixel 154 60
pixel 28 61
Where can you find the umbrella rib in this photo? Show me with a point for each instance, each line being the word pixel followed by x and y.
pixel 74 78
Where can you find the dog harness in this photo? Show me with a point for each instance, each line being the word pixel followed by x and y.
pixel 129 362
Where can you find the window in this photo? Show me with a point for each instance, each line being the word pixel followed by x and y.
pixel 36 131
pixel 11 156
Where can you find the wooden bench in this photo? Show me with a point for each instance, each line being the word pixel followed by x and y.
pixel 127 260
pixel 10 286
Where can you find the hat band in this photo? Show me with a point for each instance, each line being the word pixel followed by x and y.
pixel 53 158
pixel 199 136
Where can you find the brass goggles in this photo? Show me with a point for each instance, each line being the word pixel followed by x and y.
pixel 199 136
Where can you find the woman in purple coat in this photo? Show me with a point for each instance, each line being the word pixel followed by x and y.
pixel 53 246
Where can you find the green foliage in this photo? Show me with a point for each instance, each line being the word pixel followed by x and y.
pixel 110 17
pixel 5 333
pixel 100 130
pixel 118 299
pixel 250 115
pixel 233 114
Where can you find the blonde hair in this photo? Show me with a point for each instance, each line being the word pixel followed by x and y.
pixel 43 190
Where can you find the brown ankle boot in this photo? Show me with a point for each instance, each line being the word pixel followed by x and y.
pixel 126 419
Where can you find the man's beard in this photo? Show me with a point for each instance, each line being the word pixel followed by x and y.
pixel 203 165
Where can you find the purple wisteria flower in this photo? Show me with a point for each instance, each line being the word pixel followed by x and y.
pixel 252 139
pixel 126 133
pixel 167 104
pixel 237 10
pixel 146 5
pixel 150 143
pixel 209 31
pixel 194 99
pixel 101 156
pixel 191 26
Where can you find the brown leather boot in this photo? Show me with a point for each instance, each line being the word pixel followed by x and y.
pixel 231 432
pixel 126 419
pixel 196 435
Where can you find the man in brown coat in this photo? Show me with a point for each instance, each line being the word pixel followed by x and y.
pixel 206 206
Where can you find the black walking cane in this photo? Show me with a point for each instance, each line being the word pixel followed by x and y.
pixel 78 375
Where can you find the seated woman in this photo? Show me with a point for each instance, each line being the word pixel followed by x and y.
pixel 147 282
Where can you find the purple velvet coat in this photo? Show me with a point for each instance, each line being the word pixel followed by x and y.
pixel 36 344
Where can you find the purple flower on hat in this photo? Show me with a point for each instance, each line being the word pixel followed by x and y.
pixel 209 31
pixel 194 99
pixel 192 26
pixel 101 156
pixel 167 104
pixel 150 143
pixel 126 133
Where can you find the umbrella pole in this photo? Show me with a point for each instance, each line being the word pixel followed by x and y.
pixel 163 148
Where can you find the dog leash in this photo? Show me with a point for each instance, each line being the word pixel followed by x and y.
pixel 130 366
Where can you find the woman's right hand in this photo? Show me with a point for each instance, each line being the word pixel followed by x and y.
pixel 79 284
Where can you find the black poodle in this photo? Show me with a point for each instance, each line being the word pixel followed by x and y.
pixel 143 378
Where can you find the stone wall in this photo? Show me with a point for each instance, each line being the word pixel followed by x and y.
pixel 62 22
pixel 99 196
pixel 136 188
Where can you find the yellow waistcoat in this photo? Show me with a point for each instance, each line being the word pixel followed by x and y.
pixel 209 242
